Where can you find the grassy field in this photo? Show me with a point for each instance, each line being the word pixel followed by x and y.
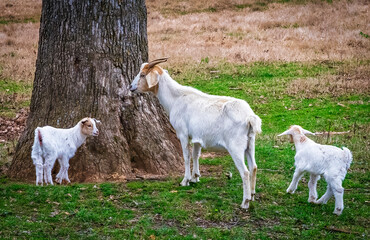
pixel 294 62
pixel 210 209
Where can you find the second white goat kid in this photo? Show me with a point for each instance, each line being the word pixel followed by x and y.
pixel 56 143
pixel 207 121
pixel 328 161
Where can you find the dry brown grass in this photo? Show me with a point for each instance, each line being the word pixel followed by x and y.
pixel 283 32
pixel 20 10
pixel 349 81
pixel 18 50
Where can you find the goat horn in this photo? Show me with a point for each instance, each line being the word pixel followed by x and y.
pixel 155 62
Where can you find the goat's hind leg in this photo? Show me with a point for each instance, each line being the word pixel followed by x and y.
pixel 338 191
pixel 39 167
pixel 48 166
pixel 39 173
pixel 250 154
pixel 238 157
pixel 196 153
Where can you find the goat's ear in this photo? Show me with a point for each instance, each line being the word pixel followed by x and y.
pixel 83 121
pixel 97 121
pixel 152 79
pixel 307 132
pixel 287 132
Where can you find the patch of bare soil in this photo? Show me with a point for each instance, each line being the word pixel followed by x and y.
pixel 11 129
pixel 240 218
pixel 213 154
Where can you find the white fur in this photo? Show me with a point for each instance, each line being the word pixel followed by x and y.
pixel 57 143
pixel 210 122
pixel 319 160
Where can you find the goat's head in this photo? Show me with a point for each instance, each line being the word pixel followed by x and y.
pixel 296 130
pixel 148 77
pixel 88 126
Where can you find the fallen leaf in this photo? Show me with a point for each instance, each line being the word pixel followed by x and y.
pixel 53 214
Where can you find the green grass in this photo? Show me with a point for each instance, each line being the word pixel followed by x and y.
pixel 5 21
pixel 13 96
pixel 210 208
pixel 255 6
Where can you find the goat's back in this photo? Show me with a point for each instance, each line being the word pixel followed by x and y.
pixel 211 120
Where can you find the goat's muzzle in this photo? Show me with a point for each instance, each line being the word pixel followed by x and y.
pixel 132 89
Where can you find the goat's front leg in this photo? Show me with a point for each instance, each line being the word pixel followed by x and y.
pixel 196 153
pixel 186 152
pixel 312 196
pixel 324 198
pixel 296 177
pixel 59 177
pixel 64 166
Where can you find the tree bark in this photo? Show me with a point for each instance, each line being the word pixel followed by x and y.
pixel 89 52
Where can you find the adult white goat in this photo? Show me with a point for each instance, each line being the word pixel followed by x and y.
pixel 56 143
pixel 317 159
pixel 211 122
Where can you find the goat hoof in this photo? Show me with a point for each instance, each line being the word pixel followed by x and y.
pixel 252 196
pixel 338 211
pixel 184 183
pixel 312 200
pixel 245 204
pixel 290 191
pixel 194 180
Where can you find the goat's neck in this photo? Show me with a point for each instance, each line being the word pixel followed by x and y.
pixel 300 141
pixel 168 92
pixel 77 136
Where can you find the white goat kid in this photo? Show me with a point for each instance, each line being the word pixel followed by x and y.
pixel 56 143
pixel 328 161
pixel 207 121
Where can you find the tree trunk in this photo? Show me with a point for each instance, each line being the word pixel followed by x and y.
pixel 89 52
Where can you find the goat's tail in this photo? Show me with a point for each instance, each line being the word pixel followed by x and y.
pixel 39 136
pixel 38 142
pixel 37 146
pixel 348 158
pixel 255 122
